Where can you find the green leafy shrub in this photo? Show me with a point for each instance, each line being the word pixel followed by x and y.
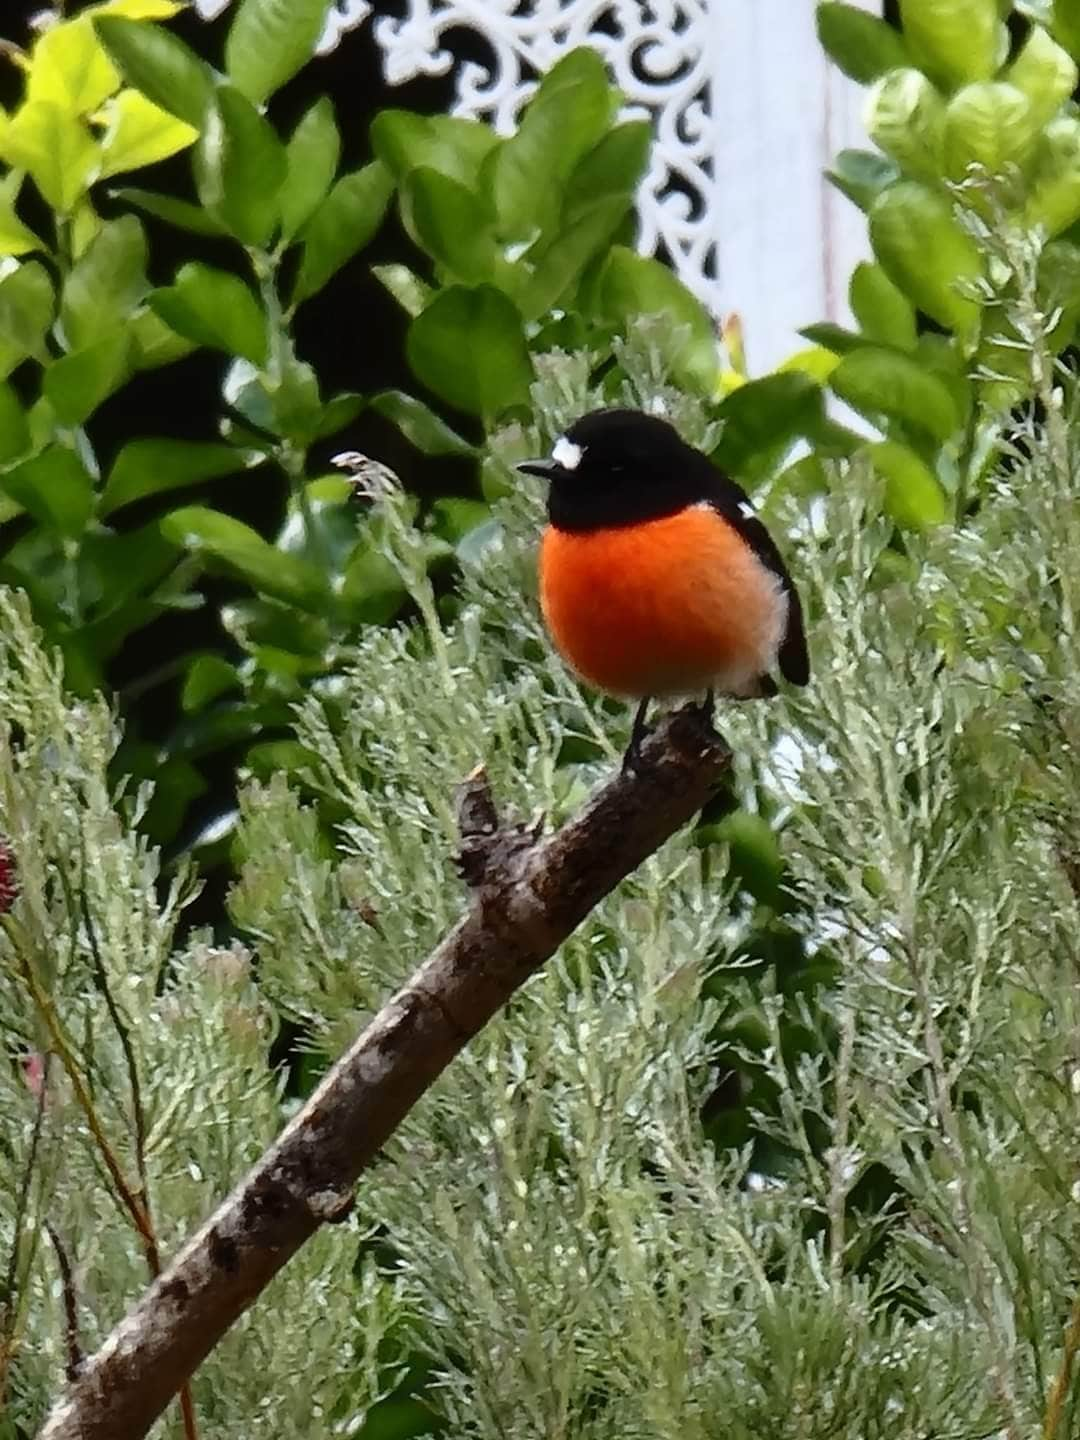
pixel 978 149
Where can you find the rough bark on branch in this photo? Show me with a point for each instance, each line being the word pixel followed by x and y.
pixel 528 895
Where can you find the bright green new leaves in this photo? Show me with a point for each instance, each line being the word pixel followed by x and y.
pixel 342 225
pixel 468 347
pixel 141 133
pixel 1065 25
pixel 955 41
pixel 269 41
pixel 240 165
pixel 152 467
pixel 55 147
pixel 611 169
pixel 159 64
pixel 905 115
pixel 15 237
pixel 1045 73
pixel 270 570
pixel 26 312
pixel 632 285
pixel 863 45
pixel 106 283
pixel 569 112
pixel 213 308
pixel 70 69
pixel 882 382
pixel 989 124
pixel 763 418
pixel 54 488
pixel 312 155
pixel 884 313
pixel 923 249
pixel 913 496
pixel 1053 201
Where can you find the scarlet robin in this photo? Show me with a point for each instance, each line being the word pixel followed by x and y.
pixel 656 576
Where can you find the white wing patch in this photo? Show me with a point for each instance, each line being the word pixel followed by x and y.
pixel 746 510
pixel 567 454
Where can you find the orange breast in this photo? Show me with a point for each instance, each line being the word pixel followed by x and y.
pixel 667 607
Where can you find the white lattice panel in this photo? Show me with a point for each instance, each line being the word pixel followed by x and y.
pixel 747 112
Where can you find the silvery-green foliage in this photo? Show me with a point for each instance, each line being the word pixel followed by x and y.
pixel 553 1229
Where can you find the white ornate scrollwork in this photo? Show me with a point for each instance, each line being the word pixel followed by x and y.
pixel 342 15
pixel 659 55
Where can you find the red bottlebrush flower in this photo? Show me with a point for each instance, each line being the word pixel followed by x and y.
pixel 9 877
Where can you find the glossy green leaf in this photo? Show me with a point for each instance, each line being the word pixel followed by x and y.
pixel 883 311
pixel 240 166
pixel 339 411
pixel 955 41
pixel 106 283
pixel 71 69
pixel 55 148
pixel 312 154
pixel 861 44
pixel 862 175
pixel 468 347
pixel 421 426
pixel 450 222
pixel 269 41
pixel 565 117
pixel 453 146
pixel 1053 201
pixel 913 496
pixel 411 293
pixel 54 488
pixel 923 249
pixel 991 125
pixel 632 285
pixel 342 225
pixel 213 308
pixel 563 261
pixel 834 337
pixel 14 427
pixel 372 591
pixel 76 384
pixel 152 467
pixel 1045 72
pixel 208 677
pixel 26 312
pixel 153 343
pixel 905 115
pixel 175 212
pixel 883 382
pixel 236 545
pixel 763 418
pixel 158 63
pixel 613 167
pixel 141 133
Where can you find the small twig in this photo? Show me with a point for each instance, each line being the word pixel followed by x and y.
pixel 838 1152
pixel 529 895
pixel 22 1204
pixel 71 1304
pixel 1055 1401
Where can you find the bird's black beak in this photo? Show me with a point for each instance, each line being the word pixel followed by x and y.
pixel 546 469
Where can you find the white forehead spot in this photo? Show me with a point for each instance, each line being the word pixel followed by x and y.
pixel 567 454
pixel 746 510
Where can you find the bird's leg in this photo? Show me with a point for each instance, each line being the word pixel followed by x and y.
pixel 637 736
pixel 708 705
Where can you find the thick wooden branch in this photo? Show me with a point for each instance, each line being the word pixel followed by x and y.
pixel 528 895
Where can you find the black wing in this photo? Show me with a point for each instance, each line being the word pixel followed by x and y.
pixel 731 501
